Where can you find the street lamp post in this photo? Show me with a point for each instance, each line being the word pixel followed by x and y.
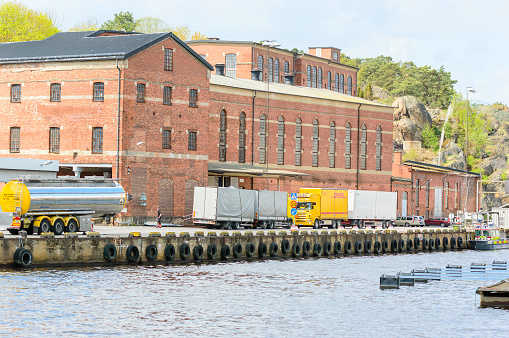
pixel 469 90
pixel 273 44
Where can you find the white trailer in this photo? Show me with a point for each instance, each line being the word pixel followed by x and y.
pixel 371 208
pixel 225 208
pixel 272 209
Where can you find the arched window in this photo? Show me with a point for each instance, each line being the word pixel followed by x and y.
pixel 281 140
pixel 298 141
pixel 315 143
pixel 349 85
pixel 263 138
pixel 379 148
pixel 332 145
pixel 222 136
pixel 348 146
pixel 342 83
pixel 242 138
pixel 363 146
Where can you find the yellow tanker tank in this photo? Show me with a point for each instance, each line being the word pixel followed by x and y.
pixel 15 194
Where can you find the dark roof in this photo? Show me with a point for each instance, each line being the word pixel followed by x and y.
pixel 73 46
pixel 440 168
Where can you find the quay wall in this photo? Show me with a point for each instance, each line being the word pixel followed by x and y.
pixel 94 249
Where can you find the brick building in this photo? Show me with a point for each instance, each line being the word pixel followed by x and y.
pixel 432 191
pixel 320 68
pixel 145 108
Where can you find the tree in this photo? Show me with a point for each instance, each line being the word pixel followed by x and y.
pixel 90 24
pixel 149 24
pixel 368 92
pixel 198 36
pixel 20 23
pixel 121 22
pixel 430 139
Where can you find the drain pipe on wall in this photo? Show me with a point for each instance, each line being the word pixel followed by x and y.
pixel 118 122
pixel 358 143
pixel 252 137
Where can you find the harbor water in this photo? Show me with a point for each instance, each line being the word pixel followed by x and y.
pixel 301 297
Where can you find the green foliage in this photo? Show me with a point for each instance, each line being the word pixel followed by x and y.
pixel 84 26
pixel 296 50
pixel 360 93
pixel 368 92
pixel 504 176
pixel 123 21
pixel 20 23
pixel 411 156
pixel 430 137
pixel 434 87
pixel 151 25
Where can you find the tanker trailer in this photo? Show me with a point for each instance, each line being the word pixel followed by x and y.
pixel 62 204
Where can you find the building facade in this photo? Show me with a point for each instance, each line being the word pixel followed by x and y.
pixel 145 109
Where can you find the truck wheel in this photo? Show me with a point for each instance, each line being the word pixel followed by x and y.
pixel 58 227
pixel 235 225
pixel 407 224
pixel 72 226
pixel 316 225
pixel 263 225
pixel 271 225
pixel 44 226
pixel 360 224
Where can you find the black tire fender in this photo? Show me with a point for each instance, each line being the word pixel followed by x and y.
pixel 198 252
pixel 250 249
pixel 212 251
pixel 110 252
pixel 337 247
pixel 132 253
pixel 401 245
pixel 409 244
pixel 273 249
pixel 317 249
pixel 417 243
pixel 437 243
pixel 169 252
pixel 348 247
pixel 453 242
pixel 459 242
pixel 367 246
pixel 385 246
pixel 23 257
pixel 394 245
pixel 431 244
pixel 237 250
pixel 358 247
pixel 285 246
pixel 262 250
pixel 151 252
pixel 185 251
pixel 306 248
pixel 225 251
pixel 295 249
pixel 445 242
pixel 425 243
pixel 377 247
pixel 327 248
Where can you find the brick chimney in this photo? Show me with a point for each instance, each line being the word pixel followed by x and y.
pixel 398 157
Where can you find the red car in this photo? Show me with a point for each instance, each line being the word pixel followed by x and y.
pixel 442 221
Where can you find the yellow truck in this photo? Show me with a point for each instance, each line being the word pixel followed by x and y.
pixel 319 207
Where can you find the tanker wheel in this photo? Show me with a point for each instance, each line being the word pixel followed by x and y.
pixel 316 225
pixel 44 226
pixel 58 227
pixel 72 226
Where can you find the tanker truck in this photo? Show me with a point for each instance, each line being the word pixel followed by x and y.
pixel 62 204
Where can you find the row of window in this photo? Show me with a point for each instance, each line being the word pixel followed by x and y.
pixel 298 142
pixel 56 92
pixel 98 93
pixel 97 140
pixel 315 80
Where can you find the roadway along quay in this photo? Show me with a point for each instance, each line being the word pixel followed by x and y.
pixel 109 245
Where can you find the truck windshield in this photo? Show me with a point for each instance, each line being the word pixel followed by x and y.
pixel 304 206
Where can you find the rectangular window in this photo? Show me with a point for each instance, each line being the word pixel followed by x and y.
pixel 417 191
pixel 313 78
pixel 335 56
pixel 140 93
pixel 193 98
pixel 167 95
pixel 231 65
pixel 349 85
pixel 168 59
pixel 54 140
pixel 271 70
pixel 260 66
pixel 287 67
pixel 319 81
pixel 329 80
pixel 192 140
pixel 427 194
pixel 98 92
pixel 447 195
pixel 55 92
pixel 456 197
pixel 16 93
pixel 336 82
pixel 276 71
pixel 15 139
pixel 97 140
pixel 166 139
pixel 309 76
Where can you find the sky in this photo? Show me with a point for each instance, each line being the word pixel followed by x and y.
pixel 467 37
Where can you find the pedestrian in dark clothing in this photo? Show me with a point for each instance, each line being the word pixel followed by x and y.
pixel 158 218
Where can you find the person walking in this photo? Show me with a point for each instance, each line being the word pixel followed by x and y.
pixel 158 219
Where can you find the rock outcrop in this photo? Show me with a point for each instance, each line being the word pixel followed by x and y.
pixel 410 117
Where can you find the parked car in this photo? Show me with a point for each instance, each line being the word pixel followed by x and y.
pixel 410 221
pixel 442 221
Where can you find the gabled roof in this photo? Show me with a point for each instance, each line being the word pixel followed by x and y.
pixel 438 168
pixel 96 45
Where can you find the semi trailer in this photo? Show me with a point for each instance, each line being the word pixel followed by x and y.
pixel 319 207
pixel 231 208
pixel 62 204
